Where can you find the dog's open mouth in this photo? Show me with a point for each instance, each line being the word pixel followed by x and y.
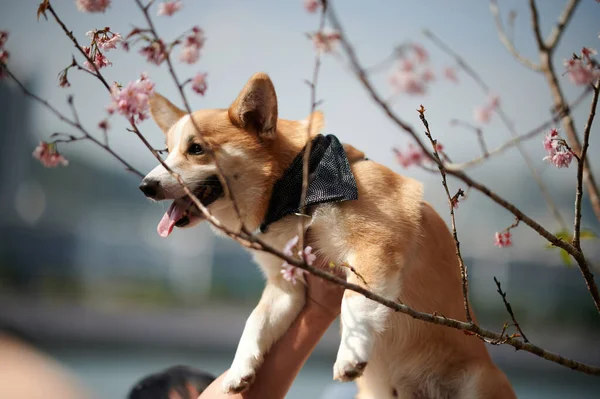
pixel 183 211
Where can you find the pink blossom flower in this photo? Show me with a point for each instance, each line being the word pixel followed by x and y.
pixel 132 100
pixel 580 73
pixel 155 52
pixel 292 273
pixel 413 156
pixel 3 38
pixel 48 155
pixel 62 80
pixel 325 41
pixel 308 256
pixel 420 53
pixel 4 57
pixel 406 66
pixel 450 74
pixel 559 153
pixel 407 82
pixel 199 83
pixel 503 240
pixel 169 8
pixel 482 114
pixel 190 52
pixel 428 75
pixel 92 5
pixel 561 158
pixel 587 52
pixel 454 202
pixel 549 142
pixel 108 44
pixel 311 5
pixel 101 61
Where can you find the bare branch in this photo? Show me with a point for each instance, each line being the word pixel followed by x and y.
pixel 563 21
pixel 506 41
pixel 308 146
pixel 535 25
pixel 451 204
pixel 509 310
pixel 580 166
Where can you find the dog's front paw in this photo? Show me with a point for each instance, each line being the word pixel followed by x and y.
pixel 348 370
pixel 238 381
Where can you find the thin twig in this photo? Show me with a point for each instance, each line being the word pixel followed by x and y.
pixel 559 29
pixel 451 204
pixel 535 25
pixel 509 310
pixel 506 41
pixel 72 123
pixel 478 133
pixel 580 166
pixel 308 147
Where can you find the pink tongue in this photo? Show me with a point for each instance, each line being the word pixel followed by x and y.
pixel 173 214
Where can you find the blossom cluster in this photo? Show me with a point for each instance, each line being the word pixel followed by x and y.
pixel 411 74
pixel 132 101
pixel 3 52
pixel 325 41
pixel 48 155
pixel 292 273
pixel 483 114
pixel 583 70
pixel 559 153
pixel 503 239
pixel 92 5
pixel 169 8
pixel 193 43
pixel 414 155
pixel 104 40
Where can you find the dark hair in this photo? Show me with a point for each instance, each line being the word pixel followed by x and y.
pixel 176 378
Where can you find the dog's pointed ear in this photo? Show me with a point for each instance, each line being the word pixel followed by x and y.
pixel 255 108
pixel 163 112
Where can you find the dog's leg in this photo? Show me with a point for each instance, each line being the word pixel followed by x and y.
pixel 363 319
pixel 277 309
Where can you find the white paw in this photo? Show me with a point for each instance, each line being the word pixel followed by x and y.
pixel 238 380
pixel 348 370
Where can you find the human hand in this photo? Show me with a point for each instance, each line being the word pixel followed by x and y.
pixel 324 294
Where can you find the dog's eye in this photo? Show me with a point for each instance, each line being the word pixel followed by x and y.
pixel 195 149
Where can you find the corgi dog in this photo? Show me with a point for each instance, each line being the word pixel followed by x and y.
pixel 396 242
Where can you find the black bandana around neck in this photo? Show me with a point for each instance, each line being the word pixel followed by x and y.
pixel 330 179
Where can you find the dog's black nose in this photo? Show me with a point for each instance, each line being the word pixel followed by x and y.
pixel 150 187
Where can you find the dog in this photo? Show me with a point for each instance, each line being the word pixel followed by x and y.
pixel 398 245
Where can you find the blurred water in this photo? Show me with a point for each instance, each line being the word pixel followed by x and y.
pixel 110 372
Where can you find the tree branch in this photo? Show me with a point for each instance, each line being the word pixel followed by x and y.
pixel 509 310
pixel 563 21
pixel 580 167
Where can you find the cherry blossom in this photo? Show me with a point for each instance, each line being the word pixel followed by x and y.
pixel 324 41
pixel 169 8
pixel 450 74
pixel 48 155
pixel 580 72
pixel 413 156
pixel 420 53
pixel 291 273
pixel 483 114
pixel 309 257
pixel 104 125
pixel 132 100
pixel 92 5
pixel 559 154
pixel 503 239
pixel 62 79
pixel 428 75
pixel 4 54
pixel 311 5
pixel 587 52
pixel 155 52
pixel 454 202
pixel 199 83
pixel 192 45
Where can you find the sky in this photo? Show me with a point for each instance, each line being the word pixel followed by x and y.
pixel 247 36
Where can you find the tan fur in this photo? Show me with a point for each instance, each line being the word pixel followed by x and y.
pixel 396 242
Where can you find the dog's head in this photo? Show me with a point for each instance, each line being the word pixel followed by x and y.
pixel 250 145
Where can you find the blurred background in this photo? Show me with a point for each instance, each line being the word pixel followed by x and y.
pixel 85 278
